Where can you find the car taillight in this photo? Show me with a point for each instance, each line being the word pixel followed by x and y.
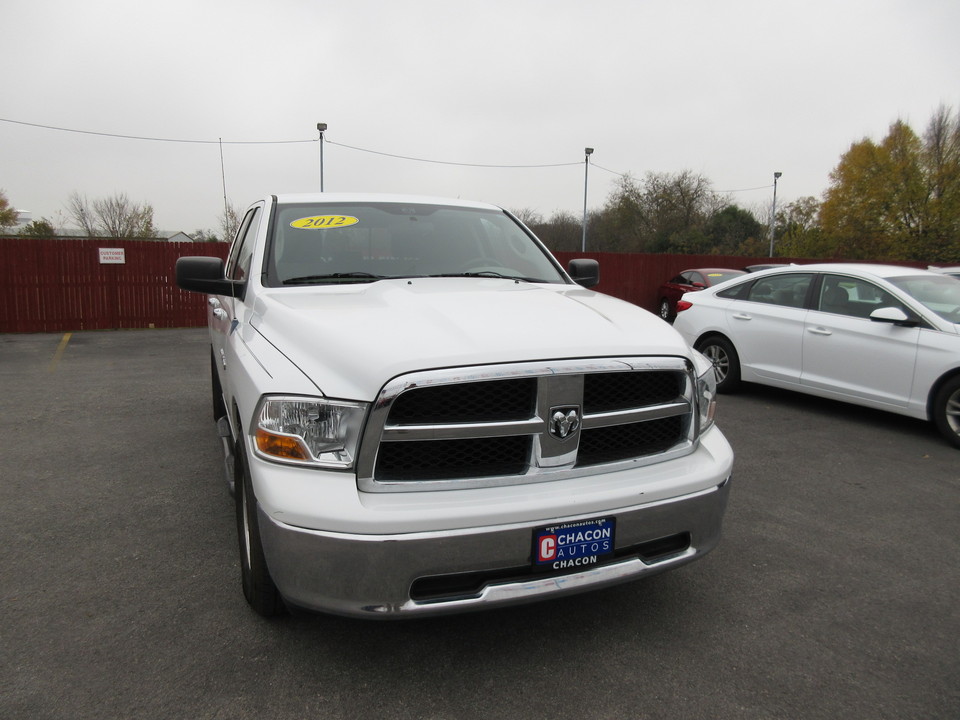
pixel 683 305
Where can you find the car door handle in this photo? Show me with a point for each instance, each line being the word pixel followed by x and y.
pixel 742 316
pixel 220 313
pixel 819 331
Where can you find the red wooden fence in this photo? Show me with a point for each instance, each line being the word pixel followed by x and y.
pixel 59 285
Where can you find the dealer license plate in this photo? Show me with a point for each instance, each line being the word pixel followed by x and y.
pixel 574 545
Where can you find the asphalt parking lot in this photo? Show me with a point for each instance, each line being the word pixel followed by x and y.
pixel 833 593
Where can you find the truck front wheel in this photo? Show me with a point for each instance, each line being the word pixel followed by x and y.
pixel 258 587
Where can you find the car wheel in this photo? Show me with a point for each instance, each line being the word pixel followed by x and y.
pixel 219 409
pixel 946 410
pixel 725 361
pixel 258 587
pixel 665 313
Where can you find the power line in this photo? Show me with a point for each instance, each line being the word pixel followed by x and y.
pixel 157 139
pixel 761 187
pixel 274 142
pixel 221 143
pixel 447 162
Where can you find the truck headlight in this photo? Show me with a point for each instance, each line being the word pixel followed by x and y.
pixel 309 431
pixel 706 391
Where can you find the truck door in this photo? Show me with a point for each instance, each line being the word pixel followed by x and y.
pixel 224 311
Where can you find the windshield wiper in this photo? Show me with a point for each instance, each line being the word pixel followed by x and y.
pixel 348 276
pixel 489 274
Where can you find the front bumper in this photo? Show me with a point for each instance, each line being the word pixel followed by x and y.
pixel 417 574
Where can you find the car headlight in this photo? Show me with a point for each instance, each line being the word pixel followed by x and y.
pixel 706 391
pixel 309 431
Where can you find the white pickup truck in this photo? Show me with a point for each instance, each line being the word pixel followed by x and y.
pixel 423 413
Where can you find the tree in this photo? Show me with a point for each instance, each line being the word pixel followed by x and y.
pixel 941 158
pixel 114 217
pixel 899 199
pixel 527 216
pixel 619 226
pixel 800 234
pixel 204 236
pixel 562 232
pixel 667 213
pixel 41 228
pixel 8 214
pixel 229 222
pixel 732 229
pixel 80 211
pixel 677 208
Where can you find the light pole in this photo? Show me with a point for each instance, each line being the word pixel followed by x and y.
pixel 586 175
pixel 322 128
pixel 773 211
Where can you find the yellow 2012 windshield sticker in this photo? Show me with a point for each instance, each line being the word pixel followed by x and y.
pixel 324 222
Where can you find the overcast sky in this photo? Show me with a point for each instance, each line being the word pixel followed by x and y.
pixel 731 89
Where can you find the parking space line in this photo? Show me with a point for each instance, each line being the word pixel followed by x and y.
pixel 61 348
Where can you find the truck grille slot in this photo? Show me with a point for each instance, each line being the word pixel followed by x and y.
pixel 530 422
pixel 604 392
pixel 470 402
pixel 440 459
pixel 622 442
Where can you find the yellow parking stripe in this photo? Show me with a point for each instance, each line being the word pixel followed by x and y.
pixel 61 348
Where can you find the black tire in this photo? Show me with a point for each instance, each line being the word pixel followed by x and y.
pixel 946 410
pixel 726 362
pixel 216 391
pixel 258 587
pixel 665 313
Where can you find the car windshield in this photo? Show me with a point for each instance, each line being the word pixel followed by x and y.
pixel 939 293
pixel 366 242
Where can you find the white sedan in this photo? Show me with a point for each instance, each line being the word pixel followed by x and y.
pixel 881 336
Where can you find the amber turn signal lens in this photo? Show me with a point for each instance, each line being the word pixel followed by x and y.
pixel 281 446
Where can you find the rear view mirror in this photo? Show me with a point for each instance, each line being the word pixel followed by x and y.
pixel 584 272
pixel 205 275
pixel 895 316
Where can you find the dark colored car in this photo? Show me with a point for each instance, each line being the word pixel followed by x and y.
pixel 689 281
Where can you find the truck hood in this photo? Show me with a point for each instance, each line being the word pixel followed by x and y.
pixel 351 339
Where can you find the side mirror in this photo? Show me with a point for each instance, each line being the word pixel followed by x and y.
pixel 205 275
pixel 584 272
pixel 894 316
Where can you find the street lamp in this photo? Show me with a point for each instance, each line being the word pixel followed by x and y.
pixel 586 174
pixel 773 211
pixel 322 128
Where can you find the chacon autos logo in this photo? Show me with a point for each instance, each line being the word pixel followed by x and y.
pixel 564 421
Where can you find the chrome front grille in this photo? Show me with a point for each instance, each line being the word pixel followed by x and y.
pixel 529 422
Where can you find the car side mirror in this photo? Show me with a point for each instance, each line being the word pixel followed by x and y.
pixel 205 275
pixel 894 316
pixel 584 271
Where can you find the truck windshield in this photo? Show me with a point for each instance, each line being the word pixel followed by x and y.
pixel 365 242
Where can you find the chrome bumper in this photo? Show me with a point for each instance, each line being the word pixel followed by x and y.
pixel 372 575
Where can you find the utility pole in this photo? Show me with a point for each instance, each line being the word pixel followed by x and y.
pixel 586 174
pixel 773 211
pixel 322 127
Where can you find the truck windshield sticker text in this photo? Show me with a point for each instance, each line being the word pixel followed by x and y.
pixel 324 222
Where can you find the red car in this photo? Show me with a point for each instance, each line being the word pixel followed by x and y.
pixel 688 281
